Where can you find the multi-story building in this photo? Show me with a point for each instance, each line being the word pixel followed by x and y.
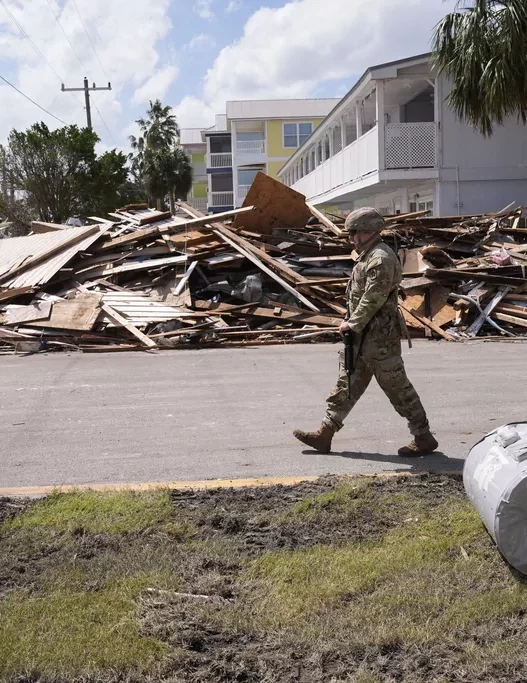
pixel 193 143
pixel 256 135
pixel 394 143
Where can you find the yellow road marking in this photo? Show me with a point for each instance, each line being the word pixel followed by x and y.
pixel 187 485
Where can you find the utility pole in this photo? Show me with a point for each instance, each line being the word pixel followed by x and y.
pixel 87 90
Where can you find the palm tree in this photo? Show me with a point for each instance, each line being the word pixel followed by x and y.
pixel 481 48
pixel 167 172
pixel 153 151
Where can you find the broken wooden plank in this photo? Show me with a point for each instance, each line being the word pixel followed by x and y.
pixel 427 323
pixel 122 322
pixel 325 220
pixel 24 314
pixel 182 283
pixel 73 314
pixel 513 320
pixel 482 317
pixel 167 229
pixel 147 264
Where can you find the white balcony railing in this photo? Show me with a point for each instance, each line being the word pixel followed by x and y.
pixel 411 145
pixel 355 161
pixel 242 192
pixel 198 203
pixel 221 198
pixel 223 160
pixel 250 147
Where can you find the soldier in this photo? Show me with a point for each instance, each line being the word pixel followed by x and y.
pixel 377 327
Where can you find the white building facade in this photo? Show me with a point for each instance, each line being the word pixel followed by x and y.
pixel 394 143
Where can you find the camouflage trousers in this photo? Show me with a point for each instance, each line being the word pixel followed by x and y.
pixel 383 361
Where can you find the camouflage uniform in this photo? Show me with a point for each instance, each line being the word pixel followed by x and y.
pixel 374 318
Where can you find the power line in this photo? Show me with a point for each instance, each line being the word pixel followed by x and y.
pixel 105 125
pixel 91 42
pixel 65 34
pixel 33 101
pixel 39 53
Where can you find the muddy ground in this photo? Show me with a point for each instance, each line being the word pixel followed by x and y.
pixel 213 625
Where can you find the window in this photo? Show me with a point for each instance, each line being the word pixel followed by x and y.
pixel 295 134
pixel 422 205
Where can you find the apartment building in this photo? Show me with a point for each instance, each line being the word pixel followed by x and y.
pixel 191 140
pixel 256 135
pixel 393 143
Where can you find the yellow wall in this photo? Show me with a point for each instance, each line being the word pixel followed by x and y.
pixel 275 140
pixel 198 158
pixel 200 190
pixel 273 167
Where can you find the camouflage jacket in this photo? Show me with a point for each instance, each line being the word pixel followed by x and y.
pixel 372 293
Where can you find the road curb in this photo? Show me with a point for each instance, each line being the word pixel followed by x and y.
pixel 197 485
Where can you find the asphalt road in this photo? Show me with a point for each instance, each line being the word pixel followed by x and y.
pixel 192 415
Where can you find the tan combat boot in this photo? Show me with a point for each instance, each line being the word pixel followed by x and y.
pixel 319 440
pixel 421 445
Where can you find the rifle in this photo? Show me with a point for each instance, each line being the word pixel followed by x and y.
pixel 349 358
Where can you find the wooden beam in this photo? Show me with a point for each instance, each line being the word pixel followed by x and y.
pixel 118 319
pixel 428 323
pixel 325 220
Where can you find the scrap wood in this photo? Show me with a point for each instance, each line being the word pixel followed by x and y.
pixel 428 323
pixel 276 205
pixel 73 314
pixel 121 321
pixel 325 220
pixel 15 315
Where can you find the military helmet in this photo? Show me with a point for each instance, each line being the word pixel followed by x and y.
pixel 366 219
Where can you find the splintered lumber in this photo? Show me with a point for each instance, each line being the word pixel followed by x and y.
pixel 257 255
pixel 73 314
pixel 39 226
pixel 513 320
pixel 427 323
pixel 481 319
pixel 152 231
pixel 183 282
pixel 325 220
pixel 14 293
pixel 122 322
pixel 249 253
pixel 23 314
pixel 134 265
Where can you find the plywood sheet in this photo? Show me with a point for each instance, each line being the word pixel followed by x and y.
pixel 74 314
pixel 275 206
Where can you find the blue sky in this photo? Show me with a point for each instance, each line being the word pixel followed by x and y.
pixel 193 54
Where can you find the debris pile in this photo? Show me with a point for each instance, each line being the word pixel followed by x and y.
pixel 272 272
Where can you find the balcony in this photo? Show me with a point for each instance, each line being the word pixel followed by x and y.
pixel 408 147
pixel 217 199
pixel 242 192
pixel 222 160
pixel 250 147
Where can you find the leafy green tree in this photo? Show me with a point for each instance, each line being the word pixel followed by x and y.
pixel 57 173
pixel 481 47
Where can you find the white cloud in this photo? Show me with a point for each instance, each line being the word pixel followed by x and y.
pixel 234 6
pixel 125 34
pixel 201 41
pixel 192 112
pixel 290 50
pixel 204 8
pixel 157 85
